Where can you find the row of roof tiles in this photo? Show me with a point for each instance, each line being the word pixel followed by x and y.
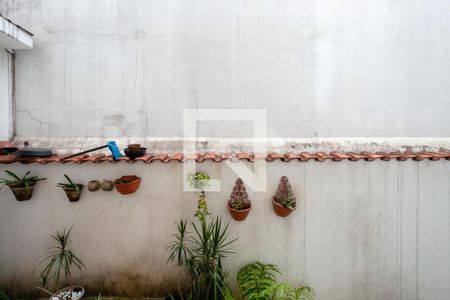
pixel 218 157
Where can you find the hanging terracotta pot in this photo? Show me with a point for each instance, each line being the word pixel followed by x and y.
pixel 281 210
pixel 284 200
pixel 21 192
pixel 239 204
pixel 127 184
pixel 239 215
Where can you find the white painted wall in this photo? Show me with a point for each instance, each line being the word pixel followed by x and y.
pixel 6 76
pixel 362 230
pixel 322 68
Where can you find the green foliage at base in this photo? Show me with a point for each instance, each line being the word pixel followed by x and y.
pixel 258 282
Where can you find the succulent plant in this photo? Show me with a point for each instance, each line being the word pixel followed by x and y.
pixel 284 195
pixel 239 197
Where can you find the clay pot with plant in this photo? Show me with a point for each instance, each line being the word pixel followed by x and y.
pixel 239 204
pixel 284 199
pixel 127 184
pixel 73 190
pixel 22 188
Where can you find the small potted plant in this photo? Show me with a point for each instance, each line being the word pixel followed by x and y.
pixel 22 188
pixel 198 180
pixel 239 205
pixel 284 200
pixel 127 184
pixel 73 190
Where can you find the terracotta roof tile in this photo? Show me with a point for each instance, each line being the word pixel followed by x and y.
pixel 219 157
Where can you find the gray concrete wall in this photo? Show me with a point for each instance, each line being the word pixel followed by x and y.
pixel 322 68
pixel 6 111
pixel 362 230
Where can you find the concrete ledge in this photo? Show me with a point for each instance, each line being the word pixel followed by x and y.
pixel 13 36
pixel 283 145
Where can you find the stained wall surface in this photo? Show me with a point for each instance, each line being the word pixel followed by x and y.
pixel 321 68
pixel 362 230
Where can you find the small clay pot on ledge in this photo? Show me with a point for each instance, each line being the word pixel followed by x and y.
pixel 127 184
pixel 21 192
pixel 72 194
pixel 283 201
pixel 107 185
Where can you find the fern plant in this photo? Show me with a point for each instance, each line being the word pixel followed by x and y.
pixel 60 260
pixel 258 282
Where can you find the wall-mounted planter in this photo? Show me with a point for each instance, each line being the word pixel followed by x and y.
pixel 281 210
pixel 72 190
pixel 21 192
pixel 93 185
pixel 22 187
pixel 239 205
pixel 127 184
pixel 239 215
pixel 72 194
pixel 107 185
pixel 284 200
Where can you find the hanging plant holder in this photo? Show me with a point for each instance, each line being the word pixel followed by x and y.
pixel 239 204
pixel 283 201
pixel 127 184
pixel 22 193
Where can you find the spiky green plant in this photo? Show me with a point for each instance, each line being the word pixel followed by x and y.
pixel 26 181
pixel 200 254
pixel 59 260
pixel 70 185
pixel 258 282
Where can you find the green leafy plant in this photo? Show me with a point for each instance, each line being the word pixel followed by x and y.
pixel 198 180
pixel 70 185
pixel 200 254
pixel 288 203
pixel 59 260
pixel 15 181
pixel 258 282
pixel 3 295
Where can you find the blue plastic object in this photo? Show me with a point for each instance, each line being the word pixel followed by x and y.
pixel 114 150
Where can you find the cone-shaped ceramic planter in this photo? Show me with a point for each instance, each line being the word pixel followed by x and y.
pixel 127 184
pixel 72 194
pixel 284 195
pixel 239 198
pixel 21 192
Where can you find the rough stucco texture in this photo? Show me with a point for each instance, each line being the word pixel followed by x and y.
pixel 362 230
pixel 322 68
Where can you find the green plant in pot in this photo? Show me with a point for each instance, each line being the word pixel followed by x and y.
pixel 283 201
pixel 239 204
pixel 73 190
pixel 257 281
pixel 60 262
pixel 200 253
pixel 22 187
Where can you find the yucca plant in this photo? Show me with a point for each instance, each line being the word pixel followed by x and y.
pixel 59 260
pixel 258 282
pixel 200 254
